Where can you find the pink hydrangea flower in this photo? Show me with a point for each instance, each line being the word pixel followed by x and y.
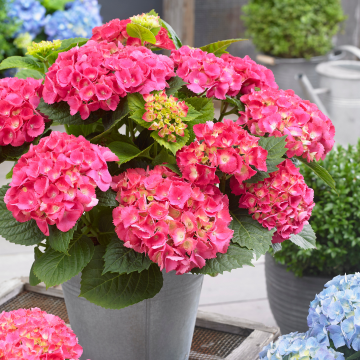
pixel 35 335
pixel 219 77
pixel 224 146
pixel 310 133
pixel 55 182
pixel 283 201
pixel 97 75
pixel 177 224
pixel 115 31
pixel 19 120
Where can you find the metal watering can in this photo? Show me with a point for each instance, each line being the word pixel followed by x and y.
pixel 339 94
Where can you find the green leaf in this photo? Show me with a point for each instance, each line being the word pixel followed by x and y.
pixel 10 173
pixel 206 109
pixel 319 171
pixel 218 48
pixel 54 268
pixel 175 84
pixel 164 157
pixel 354 356
pixel 177 42
pixel 122 260
pixel 276 247
pixel 173 167
pixel 172 146
pixel 106 198
pixel 68 44
pixel 153 12
pixel 12 152
pixel 235 102
pixel 235 257
pixel 137 117
pixel 125 152
pixel 306 239
pixel 115 291
pixel 105 226
pixel 60 112
pixel 25 73
pixel 59 240
pixel 249 233
pixel 83 130
pixel 140 32
pixel 21 62
pixel 276 150
pixel 135 102
pixel 26 233
pixel 33 279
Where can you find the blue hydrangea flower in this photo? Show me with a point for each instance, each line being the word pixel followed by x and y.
pixel 77 20
pixel 31 15
pixel 299 346
pixel 335 312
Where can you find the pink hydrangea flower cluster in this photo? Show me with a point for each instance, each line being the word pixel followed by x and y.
pixel 310 133
pixel 283 201
pixel 97 75
pixel 219 76
pixel 55 182
pixel 224 145
pixel 19 120
pixel 178 224
pixel 115 31
pixel 35 335
pixel 166 114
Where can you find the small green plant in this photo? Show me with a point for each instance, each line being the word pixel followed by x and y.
pixel 293 28
pixel 335 220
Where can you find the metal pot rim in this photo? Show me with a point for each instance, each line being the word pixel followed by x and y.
pixel 334 70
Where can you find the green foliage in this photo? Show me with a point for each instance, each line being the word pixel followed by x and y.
pixel 22 62
pixel 126 152
pixel 172 33
pixel 106 198
pixel 116 291
pixel 59 240
pixel 54 267
pixel 218 48
pixel 292 28
pixel 25 73
pixel 335 219
pixel 140 32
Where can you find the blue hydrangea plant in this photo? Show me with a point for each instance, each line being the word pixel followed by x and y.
pixel 299 346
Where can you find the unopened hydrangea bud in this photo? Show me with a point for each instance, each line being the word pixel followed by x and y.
pixel 146 20
pixel 43 48
pixel 169 111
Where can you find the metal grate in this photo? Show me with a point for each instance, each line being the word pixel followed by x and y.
pixel 207 344
pixel 27 300
pixel 210 344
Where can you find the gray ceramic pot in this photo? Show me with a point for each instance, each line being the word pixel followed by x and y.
pixel 160 328
pixel 289 296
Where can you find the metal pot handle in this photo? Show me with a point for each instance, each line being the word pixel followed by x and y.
pixel 349 48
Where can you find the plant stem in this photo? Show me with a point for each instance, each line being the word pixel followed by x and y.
pixel 155 149
pixel 223 183
pixel 88 224
pixel 223 108
pixel 131 128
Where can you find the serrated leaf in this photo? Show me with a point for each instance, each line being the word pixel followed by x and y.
pixel 122 260
pixel 306 239
pixel 33 279
pixel 235 257
pixel 173 167
pixel 83 130
pixel 115 291
pixel 276 247
pixel 319 171
pixel 59 240
pixel 176 40
pixel 153 12
pixel 26 233
pixel 249 233
pixel 105 226
pixel 67 44
pixel 276 150
pixel 106 198
pixel 140 32
pixel 135 102
pixel 21 62
pixel 126 152
pixel 12 152
pixel 235 102
pixel 206 109
pixel 54 268
pixel 218 48
pixel 172 146
pixel 60 112
pixel 25 73
pixel 259 176
pixel 164 157
pixel 137 117
pixel 175 84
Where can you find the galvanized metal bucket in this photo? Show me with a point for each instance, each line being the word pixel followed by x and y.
pixel 160 328
pixel 338 96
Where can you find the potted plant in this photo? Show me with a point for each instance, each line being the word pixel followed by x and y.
pixel 334 220
pixel 294 36
pixel 146 191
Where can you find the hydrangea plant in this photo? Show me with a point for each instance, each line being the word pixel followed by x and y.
pixel 147 179
pixel 299 346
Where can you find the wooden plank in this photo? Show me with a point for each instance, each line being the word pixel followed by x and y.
pixel 252 345
pixel 9 289
pixel 230 324
pixel 188 31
